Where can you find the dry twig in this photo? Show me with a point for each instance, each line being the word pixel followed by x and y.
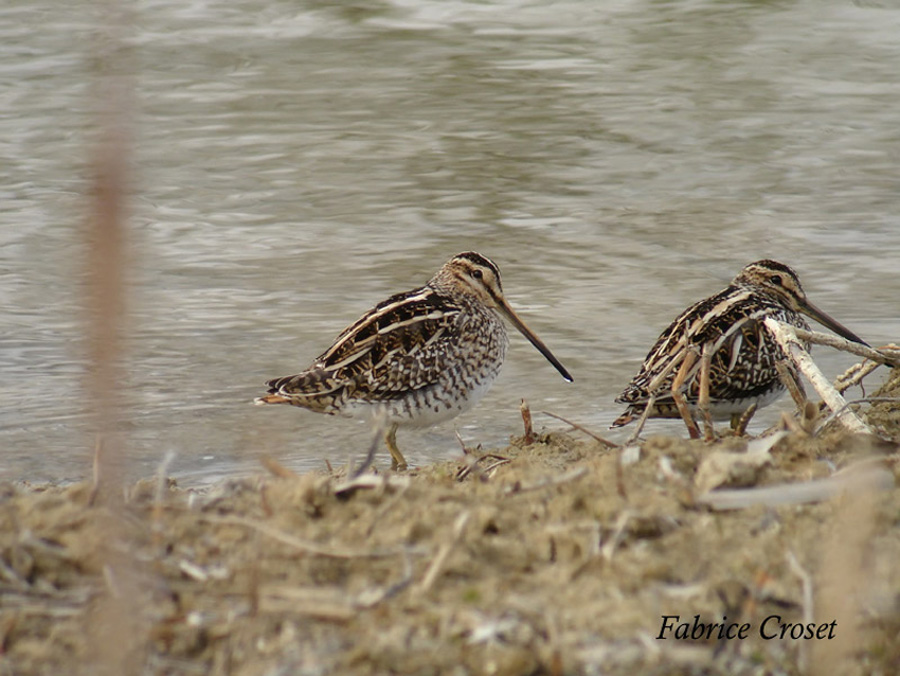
pixel 330 603
pixel 462 444
pixel 305 546
pixel 386 507
pixel 471 465
pixel 440 559
pixel 276 469
pixel 374 481
pixel 808 607
pixel 787 337
pixel 854 375
pixel 791 383
pixel 654 386
pixel 529 437
pixel 573 475
pixel 159 496
pixel 853 402
pixel 609 547
pixel 580 428
pixel 889 355
pixel 865 476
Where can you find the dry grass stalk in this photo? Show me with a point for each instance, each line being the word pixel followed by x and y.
pixel 159 496
pixel 842 579
pixel 620 476
pixel 471 465
pixel 692 354
pixel 329 603
pixel 462 444
pixel 854 375
pixel 854 402
pixel 276 469
pixel 793 386
pixel 387 506
pixel 580 428
pixel 889 354
pixel 653 388
pixel 788 339
pixel 117 631
pixel 809 614
pixel 572 475
pixel 307 601
pixel 378 482
pixel 380 426
pixel 529 437
pixel 609 547
pixel 437 564
pixel 709 431
pixel 497 463
pixel 305 546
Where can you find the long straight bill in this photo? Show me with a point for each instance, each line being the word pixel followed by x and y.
pixel 826 321
pixel 532 338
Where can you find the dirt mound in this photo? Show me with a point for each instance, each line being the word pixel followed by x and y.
pixel 561 556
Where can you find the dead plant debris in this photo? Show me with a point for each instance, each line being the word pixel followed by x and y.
pixel 551 556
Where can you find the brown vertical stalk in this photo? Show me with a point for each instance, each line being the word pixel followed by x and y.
pixel 106 302
pixel 843 582
pixel 114 624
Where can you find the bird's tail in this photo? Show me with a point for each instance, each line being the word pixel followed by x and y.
pixel 313 389
pixel 624 419
pixel 271 399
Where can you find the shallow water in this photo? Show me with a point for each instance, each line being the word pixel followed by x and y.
pixel 297 162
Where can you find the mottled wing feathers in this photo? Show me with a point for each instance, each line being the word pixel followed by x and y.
pixel 685 329
pixel 390 350
pixel 744 355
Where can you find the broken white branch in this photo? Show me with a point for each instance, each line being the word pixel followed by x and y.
pixel 890 355
pixel 787 337
pixel 864 476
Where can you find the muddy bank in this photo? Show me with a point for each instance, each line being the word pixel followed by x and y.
pixel 561 556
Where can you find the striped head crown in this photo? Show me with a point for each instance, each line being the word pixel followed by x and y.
pixel 776 278
pixel 471 274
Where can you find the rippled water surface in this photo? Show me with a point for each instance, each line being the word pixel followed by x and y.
pixel 296 162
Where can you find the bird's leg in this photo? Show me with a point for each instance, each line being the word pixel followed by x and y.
pixel 703 399
pixel 739 422
pixel 398 462
pixel 690 358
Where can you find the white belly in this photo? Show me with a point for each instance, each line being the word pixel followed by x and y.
pixel 723 410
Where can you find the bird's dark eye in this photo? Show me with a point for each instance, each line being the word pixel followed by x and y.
pixel 777 280
pixel 477 274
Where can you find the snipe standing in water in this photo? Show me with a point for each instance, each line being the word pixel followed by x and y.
pixel 740 352
pixel 416 359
